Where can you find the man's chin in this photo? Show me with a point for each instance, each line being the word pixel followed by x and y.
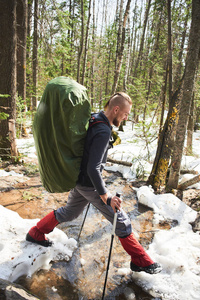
pixel 116 123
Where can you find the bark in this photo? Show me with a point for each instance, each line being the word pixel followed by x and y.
pixel 35 57
pixel 121 51
pixel 190 69
pixel 8 48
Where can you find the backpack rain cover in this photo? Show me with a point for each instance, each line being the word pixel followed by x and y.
pixel 59 129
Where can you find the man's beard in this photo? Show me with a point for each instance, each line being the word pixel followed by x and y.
pixel 116 122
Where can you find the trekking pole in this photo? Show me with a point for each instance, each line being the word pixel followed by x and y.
pixel 110 251
pixel 84 220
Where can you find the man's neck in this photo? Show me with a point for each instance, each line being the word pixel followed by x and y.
pixel 109 117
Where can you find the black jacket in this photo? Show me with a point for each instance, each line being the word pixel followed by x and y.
pixel 95 153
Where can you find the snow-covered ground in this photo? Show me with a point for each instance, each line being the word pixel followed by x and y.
pixel 178 249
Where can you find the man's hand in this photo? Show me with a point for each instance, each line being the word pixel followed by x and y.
pixel 115 203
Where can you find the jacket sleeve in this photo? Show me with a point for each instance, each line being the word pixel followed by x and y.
pixel 97 159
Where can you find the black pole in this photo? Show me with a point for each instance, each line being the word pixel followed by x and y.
pixel 108 265
pixel 84 220
pixel 110 251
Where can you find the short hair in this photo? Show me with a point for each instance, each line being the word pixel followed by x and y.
pixel 116 99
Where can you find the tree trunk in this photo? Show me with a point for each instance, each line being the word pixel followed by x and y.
pixel 93 54
pixel 142 39
pixel 158 174
pixel 169 44
pixel 121 51
pixel 35 57
pixel 178 67
pixel 133 38
pixel 190 129
pixel 81 41
pixel 190 69
pixel 159 171
pixel 21 56
pixel 8 49
pixel 119 32
pixel 163 97
pixel 86 42
pixel 128 55
pixel 28 55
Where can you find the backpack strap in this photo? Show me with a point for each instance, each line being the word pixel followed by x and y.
pixel 94 121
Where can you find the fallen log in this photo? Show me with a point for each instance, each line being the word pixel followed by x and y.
pixel 188 172
pixel 119 162
pixel 189 182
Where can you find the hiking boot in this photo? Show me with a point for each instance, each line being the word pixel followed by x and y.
pixel 152 269
pixel 44 243
pixel 37 233
pixel 135 250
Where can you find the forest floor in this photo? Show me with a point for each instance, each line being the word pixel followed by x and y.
pixel 26 196
pixel 23 194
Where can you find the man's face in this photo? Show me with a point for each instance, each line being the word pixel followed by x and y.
pixel 121 114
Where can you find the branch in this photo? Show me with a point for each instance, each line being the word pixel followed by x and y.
pixel 187 183
pixel 119 162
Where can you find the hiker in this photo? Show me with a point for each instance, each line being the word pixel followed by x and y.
pixel 90 188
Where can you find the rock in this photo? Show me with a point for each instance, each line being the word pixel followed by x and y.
pixel 129 294
pixel 13 291
pixel 196 224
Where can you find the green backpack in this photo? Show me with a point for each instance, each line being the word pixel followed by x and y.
pixel 59 129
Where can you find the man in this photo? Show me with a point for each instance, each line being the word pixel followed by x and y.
pixel 91 188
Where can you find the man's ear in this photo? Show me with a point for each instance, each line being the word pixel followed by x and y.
pixel 116 109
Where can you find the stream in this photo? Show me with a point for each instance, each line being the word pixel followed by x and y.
pixel 83 276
